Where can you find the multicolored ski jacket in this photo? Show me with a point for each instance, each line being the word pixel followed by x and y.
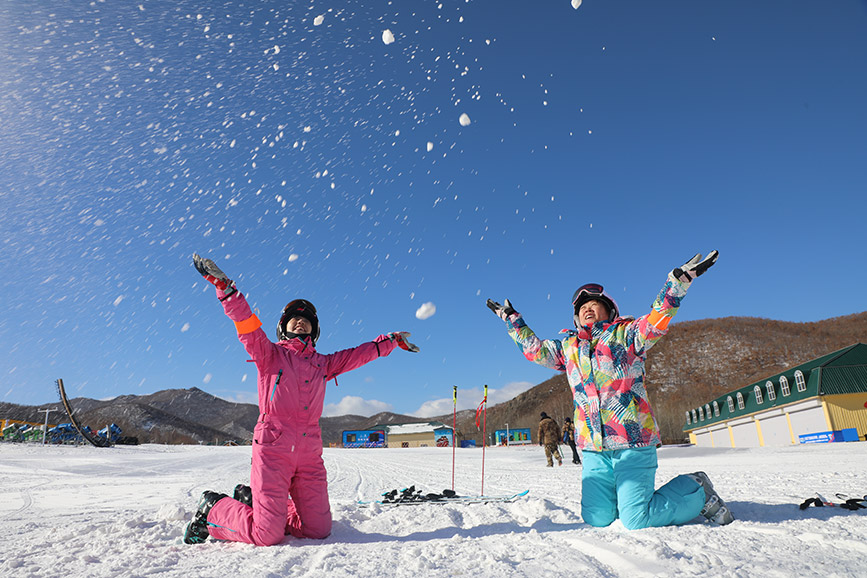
pixel 604 364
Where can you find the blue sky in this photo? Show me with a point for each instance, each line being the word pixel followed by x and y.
pixel 309 158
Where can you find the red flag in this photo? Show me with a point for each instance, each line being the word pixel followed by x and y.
pixel 481 409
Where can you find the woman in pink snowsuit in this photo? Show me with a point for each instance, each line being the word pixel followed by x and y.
pixel 287 441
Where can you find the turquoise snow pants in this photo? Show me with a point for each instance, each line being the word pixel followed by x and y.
pixel 619 484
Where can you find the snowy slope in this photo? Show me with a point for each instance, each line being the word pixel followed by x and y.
pixel 83 511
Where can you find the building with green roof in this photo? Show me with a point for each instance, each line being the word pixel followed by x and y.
pixel 803 403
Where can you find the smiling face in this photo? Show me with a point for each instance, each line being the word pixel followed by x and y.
pixel 299 326
pixel 592 312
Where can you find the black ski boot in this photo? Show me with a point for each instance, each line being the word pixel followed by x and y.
pixel 197 529
pixel 243 494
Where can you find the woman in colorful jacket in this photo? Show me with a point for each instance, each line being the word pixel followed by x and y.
pixel 604 361
pixel 288 479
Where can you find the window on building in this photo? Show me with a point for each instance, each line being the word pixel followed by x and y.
pixel 350 438
pixel 740 401
pixel 707 410
pixel 769 387
pixel 694 417
pixel 374 437
pixel 731 404
pixel 757 391
pixel 784 386
pixel 688 420
pixel 701 413
pixel 715 409
pixel 800 383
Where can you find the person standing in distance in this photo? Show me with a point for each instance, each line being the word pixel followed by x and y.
pixel 549 438
pixel 569 438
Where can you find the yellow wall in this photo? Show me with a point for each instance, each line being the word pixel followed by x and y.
pixel 6 422
pixel 414 440
pixel 847 411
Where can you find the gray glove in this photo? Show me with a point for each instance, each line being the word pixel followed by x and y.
pixel 402 338
pixel 214 275
pixel 695 267
pixel 501 311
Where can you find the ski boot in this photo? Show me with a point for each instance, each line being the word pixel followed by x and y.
pixel 243 494
pixel 715 510
pixel 197 529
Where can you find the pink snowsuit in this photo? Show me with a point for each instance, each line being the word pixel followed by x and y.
pixel 287 441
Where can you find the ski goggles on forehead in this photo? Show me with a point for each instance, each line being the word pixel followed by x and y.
pixel 300 306
pixel 588 289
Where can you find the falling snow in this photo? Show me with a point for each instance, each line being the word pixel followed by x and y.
pixel 313 150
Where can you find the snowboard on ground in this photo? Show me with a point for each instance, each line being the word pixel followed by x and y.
pixel 412 497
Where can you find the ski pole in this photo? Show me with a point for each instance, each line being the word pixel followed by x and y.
pixel 484 435
pixel 454 431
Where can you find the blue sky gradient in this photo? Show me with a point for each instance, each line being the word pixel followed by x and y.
pixel 310 159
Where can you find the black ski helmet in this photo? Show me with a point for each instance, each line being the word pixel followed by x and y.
pixel 298 308
pixel 593 292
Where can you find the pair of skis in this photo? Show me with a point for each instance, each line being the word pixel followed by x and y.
pixel 845 502
pixel 412 497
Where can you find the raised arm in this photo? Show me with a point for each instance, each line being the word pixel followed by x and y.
pixel 349 359
pixel 651 327
pixel 235 305
pixel 545 352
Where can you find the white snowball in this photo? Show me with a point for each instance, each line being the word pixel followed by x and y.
pixel 319 20
pixel 576 4
pixel 426 310
pixel 465 120
pixel 429 146
pixel 387 36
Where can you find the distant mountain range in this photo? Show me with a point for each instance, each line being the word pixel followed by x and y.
pixel 695 362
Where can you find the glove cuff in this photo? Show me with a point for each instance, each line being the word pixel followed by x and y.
pixel 223 294
pixel 681 278
pixel 385 344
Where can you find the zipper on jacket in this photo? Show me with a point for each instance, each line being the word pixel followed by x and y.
pixel 276 383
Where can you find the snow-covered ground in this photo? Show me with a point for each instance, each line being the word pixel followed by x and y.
pixel 84 511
